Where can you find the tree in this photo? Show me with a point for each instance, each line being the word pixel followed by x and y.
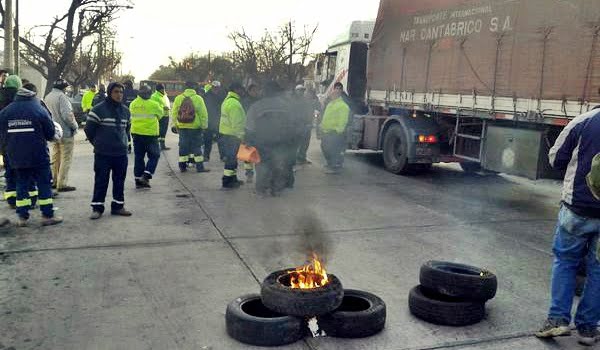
pixel 51 49
pixel 198 68
pixel 280 55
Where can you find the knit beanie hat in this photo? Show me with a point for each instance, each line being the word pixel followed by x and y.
pixel 13 81
pixel 593 178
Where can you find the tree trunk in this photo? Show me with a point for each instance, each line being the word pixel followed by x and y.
pixel 53 75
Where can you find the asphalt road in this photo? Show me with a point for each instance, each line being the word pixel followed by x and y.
pixel 162 278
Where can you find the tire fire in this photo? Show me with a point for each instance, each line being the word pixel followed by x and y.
pixel 310 276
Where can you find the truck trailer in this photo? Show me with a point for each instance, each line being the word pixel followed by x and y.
pixel 489 84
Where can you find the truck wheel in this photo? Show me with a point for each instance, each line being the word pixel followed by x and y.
pixel 395 151
pixel 470 167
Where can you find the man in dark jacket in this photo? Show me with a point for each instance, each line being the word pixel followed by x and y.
pixel 25 128
pixel 129 94
pixel 213 98
pixel 100 96
pixel 273 128
pixel 7 95
pixel 107 127
pixel 576 236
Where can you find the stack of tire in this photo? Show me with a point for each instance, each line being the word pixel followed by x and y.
pixel 280 314
pixel 452 294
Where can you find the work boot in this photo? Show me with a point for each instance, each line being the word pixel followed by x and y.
pixel 21 222
pixel 588 336
pixel 201 169
pixel 183 167
pixel 231 182
pixel 553 328
pixel 95 215
pixel 142 183
pixel 121 212
pixel 67 189
pixel 55 220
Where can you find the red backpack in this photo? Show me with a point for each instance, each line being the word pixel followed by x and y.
pixel 187 111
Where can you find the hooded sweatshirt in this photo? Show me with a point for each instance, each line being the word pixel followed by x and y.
pixel 25 129
pixel 108 125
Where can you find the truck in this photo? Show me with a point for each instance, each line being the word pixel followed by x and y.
pixel 489 84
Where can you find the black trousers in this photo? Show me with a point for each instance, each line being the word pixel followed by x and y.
pixel 275 172
pixel 104 167
pixel 163 127
pixel 229 146
pixel 209 138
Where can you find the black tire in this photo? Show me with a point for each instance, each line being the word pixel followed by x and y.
pixel 444 310
pixel 395 151
pixel 360 315
pixel 277 296
pixel 470 167
pixel 249 321
pixel 458 280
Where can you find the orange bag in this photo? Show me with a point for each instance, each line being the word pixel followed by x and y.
pixel 248 154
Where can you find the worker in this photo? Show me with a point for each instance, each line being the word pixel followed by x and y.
pixel 333 130
pixel 305 114
pixel 100 96
pixel 88 98
pixel 25 128
pixel 231 132
pixel 62 151
pixel 190 118
pixel 107 127
pixel 214 99
pixel 162 99
pixel 145 116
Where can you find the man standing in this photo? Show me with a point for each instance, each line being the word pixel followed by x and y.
pixel 333 130
pixel 191 119
pixel 100 96
pixel 145 116
pixel 274 129
pixel 231 130
pixel 213 99
pixel 162 99
pixel 62 151
pixel 107 128
pixel 88 98
pixel 7 95
pixel 26 128
pixel 577 230
pixel 129 95
pixel 305 114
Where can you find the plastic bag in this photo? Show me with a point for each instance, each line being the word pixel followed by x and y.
pixel 248 154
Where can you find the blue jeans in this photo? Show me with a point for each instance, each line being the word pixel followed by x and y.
pixel 576 239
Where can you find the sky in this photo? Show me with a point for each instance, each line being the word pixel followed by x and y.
pixel 154 30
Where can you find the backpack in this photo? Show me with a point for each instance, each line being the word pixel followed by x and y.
pixel 187 112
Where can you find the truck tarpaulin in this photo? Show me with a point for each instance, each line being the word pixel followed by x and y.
pixel 535 49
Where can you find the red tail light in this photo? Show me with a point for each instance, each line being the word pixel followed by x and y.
pixel 428 139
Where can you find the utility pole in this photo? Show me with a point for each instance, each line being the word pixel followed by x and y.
pixel 17 36
pixel 8 36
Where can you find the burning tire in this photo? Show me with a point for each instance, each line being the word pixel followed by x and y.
pixel 250 322
pixel 444 310
pixel 278 295
pixel 458 280
pixel 360 315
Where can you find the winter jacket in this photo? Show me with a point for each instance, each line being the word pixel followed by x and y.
pixel 87 100
pixel 213 106
pixel 335 117
pixel 573 151
pixel 161 100
pixel 25 129
pixel 145 114
pixel 98 98
pixel 62 112
pixel 233 116
pixel 201 119
pixel 107 127
pixel 7 95
pixel 272 121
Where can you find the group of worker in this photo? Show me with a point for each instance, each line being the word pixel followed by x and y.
pixel 276 122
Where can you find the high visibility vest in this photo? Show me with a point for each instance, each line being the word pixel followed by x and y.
pixel 145 115
pixel 233 116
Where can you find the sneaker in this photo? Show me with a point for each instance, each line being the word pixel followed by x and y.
pixel 67 189
pixel 201 169
pixel 95 215
pixel 553 328
pixel 55 220
pixel 21 222
pixel 588 336
pixel 121 212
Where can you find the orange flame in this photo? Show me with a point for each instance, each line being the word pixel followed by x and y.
pixel 309 276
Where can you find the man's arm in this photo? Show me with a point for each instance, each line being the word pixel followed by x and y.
pixel 561 153
pixel 91 126
pixel 202 113
pixel 66 113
